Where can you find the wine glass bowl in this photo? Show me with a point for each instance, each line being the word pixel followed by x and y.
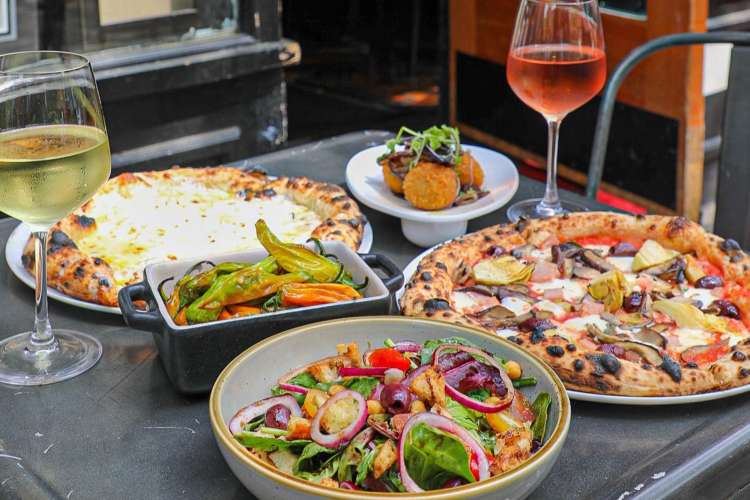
pixel 556 64
pixel 54 155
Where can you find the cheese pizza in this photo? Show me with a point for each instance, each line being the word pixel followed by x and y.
pixel 616 304
pixel 185 213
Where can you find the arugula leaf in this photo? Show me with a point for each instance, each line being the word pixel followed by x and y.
pixel 303 379
pixel 524 382
pixel 433 457
pixel 540 407
pixel 392 481
pixel 480 394
pixel 363 385
pixel 260 442
pixel 429 347
pixel 365 465
pixel 463 416
pixel 316 462
pixel 254 424
pixel 278 391
pixel 352 456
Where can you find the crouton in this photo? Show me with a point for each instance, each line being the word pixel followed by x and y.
pixel 327 481
pixel 429 386
pixel 350 351
pixel 515 448
pixel 339 415
pixel 386 457
pixel 314 399
pixel 298 428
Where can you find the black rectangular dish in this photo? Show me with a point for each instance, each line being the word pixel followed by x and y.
pixel 194 355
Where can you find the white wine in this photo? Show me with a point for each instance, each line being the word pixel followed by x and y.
pixel 46 172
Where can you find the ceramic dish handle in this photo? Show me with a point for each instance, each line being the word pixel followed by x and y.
pixel 150 319
pixel 394 278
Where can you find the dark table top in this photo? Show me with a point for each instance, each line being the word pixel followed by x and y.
pixel 121 431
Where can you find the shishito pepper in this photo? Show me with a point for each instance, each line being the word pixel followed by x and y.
pixel 294 258
pixel 242 286
pixel 202 282
pixel 238 311
pixel 311 294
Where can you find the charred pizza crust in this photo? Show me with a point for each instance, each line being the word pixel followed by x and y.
pixel 90 278
pixel 428 294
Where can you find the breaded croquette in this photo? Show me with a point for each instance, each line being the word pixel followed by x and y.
pixel 393 181
pixel 470 172
pixel 431 186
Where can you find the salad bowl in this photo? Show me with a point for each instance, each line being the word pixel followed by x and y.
pixel 250 376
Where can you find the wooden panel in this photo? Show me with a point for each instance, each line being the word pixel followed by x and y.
pixel 667 83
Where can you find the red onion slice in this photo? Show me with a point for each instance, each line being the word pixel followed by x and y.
pixel 251 412
pixel 344 436
pixel 447 425
pixel 467 401
pixel 294 388
pixel 407 346
pixel 376 392
pixel 362 372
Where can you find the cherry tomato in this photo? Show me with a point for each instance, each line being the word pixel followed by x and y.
pixel 474 466
pixel 389 358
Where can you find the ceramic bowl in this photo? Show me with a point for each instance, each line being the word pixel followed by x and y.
pixel 250 376
pixel 364 177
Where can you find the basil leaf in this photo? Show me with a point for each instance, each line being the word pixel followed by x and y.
pixel 429 347
pixel 363 385
pixel 260 442
pixel 524 382
pixel 433 457
pixel 278 391
pixel 540 407
pixel 316 462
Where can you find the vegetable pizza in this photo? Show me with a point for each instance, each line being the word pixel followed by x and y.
pixel 616 304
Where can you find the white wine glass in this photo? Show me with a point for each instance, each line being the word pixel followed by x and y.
pixel 54 155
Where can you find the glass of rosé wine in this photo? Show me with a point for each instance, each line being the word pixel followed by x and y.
pixel 556 64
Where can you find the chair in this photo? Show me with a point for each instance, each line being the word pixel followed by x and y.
pixel 733 195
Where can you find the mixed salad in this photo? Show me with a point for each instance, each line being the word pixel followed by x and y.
pixel 291 276
pixel 402 417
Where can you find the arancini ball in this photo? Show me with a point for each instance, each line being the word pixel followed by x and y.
pixel 431 186
pixel 392 180
pixel 470 171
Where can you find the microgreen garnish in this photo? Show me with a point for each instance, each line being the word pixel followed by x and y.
pixel 443 143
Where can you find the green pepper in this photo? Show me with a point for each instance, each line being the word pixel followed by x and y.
pixel 173 302
pixel 202 282
pixel 241 286
pixel 295 258
pixel 540 407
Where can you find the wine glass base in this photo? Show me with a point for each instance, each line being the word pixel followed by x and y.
pixel 71 354
pixel 533 209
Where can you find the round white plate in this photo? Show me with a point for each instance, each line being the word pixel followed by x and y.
pixel 411 268
pixel 365 180
pixel 20 235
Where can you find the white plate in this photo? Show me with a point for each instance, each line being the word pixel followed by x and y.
pixel 365 180
pixel 20 235
pixel 411 268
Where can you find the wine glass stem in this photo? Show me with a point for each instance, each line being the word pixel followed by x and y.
pixel 551 200
pixel 41 337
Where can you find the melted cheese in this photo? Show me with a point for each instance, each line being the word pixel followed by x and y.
pixel 541 254
pixel 624 264
pixel 184 220
pixel 472 301
pixel 557 310
pixel 516 305
pixel 705 297
pixel 578 325
pixel 689 337
pixel 572 290
pixel 506 332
